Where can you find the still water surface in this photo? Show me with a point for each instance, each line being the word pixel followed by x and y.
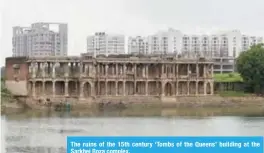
pixel 28 133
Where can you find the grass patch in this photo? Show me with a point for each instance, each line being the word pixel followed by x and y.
pixel 233 94
pixel 228 77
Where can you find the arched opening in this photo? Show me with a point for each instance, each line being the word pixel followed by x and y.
pixel 208 89
pixel 60 88
pixel 140 88
pixel 152 88
pixel 30 87
pixel 140 70
pixel 38 88
pixel 129 88
pixel 201 87
pixel 87 89
pixel 48 88
pixel 168 89
pixel 120 88
pixel 101 90
pixel 111 88
pixel 183 89
pixel 74 88
pixel 192 88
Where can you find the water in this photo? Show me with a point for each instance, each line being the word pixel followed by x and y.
pixel 47 132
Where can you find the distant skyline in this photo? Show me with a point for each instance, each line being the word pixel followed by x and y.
pixel 130 17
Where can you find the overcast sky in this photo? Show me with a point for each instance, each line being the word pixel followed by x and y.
pixel 130 17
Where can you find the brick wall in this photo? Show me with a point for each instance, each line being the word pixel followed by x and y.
pixel 16 68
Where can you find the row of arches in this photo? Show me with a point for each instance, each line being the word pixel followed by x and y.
pixel 74 89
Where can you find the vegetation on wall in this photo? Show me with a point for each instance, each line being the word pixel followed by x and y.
pixel 250 65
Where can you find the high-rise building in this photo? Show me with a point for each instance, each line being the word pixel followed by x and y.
pixel 105 44
pixel 41 39
pixel 138 45
pixel 224 44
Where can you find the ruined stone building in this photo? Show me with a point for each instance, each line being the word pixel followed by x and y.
pixel 85 77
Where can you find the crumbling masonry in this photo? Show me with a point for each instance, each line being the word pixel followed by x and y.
pixel 84 77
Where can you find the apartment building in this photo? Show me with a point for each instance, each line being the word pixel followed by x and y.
pixel 138 45
pixel 105 44
pixel 223 44
pixel 41 39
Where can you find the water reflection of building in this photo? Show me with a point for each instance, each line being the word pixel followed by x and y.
pixel 118 75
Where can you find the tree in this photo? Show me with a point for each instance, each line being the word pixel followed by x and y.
pixel 250 65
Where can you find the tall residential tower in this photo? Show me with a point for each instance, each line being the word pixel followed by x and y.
pixel 105 44
pixel 41 39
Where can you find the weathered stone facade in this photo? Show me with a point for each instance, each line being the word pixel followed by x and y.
pixel 85 77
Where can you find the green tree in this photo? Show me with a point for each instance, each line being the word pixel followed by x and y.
pixel 250 65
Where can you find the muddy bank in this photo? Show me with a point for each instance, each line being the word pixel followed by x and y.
pixel 137 103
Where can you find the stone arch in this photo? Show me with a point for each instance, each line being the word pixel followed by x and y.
pixel 120 88
pixel 208 88
pixel 182 88
pixel 38 88
pixel 60 87
pixel 30 87
pixel 192 88
pixel 140 87
pixel 201 87
pixel 48 88
pixel 168 89
pixel 111 88
pixel 152 88
pixel 87 89
pixel 73 88
pixel 129 88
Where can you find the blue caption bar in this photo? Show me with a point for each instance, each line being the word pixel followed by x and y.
pixel 164 144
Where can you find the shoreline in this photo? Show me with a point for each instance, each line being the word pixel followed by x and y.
pixel 214 101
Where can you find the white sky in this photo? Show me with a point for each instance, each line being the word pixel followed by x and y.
pixel 130 17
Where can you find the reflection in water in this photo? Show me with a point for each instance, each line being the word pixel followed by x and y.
pixel 46 132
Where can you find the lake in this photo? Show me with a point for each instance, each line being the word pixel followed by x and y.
pixel 46 132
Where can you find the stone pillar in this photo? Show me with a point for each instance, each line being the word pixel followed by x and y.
pixel 147 70
pixel 81 89
pixel 212 88
pixel 53 89
pixel 116 85
pixel 162 89
pixel 188 70
pixel 34 70
pixel 53 70
pixel 66 70
pixel 135 87
pixel 117 69
pixel 66 88
pixel 106 88
pixel 146 88
pixel 177 70
pixel 106 70
pixel 124 88
pixel 43 88
pixel 197 70
pixel 196 88
pixel 162 69
pixel 86 68
pixel 33 88
pixel 173 71
pixel 204 69
pixel 177 88
pixel 43 65
pixel 188 87
pixel 204 88
pixel 135 71
pixel 143 71
pixel 212 70
pixel 124 69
